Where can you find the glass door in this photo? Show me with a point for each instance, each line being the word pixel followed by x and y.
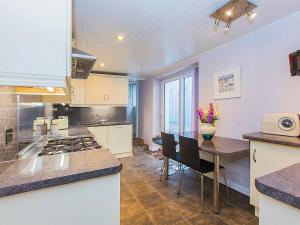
pixel 177 104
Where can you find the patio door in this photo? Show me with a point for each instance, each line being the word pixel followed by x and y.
pixel 177 103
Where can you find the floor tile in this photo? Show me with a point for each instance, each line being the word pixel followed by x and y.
pixel 140 188
pixel 184 222
pixel 130 207
pixel 151 200
pixel 138 219
pixel 234 216
pixel 255 221
pixel 206 220
pixel 165 215
pixel 146 200
pixel 189 207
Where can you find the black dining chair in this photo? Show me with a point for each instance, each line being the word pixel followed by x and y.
pixel 169 150
pixel 189 156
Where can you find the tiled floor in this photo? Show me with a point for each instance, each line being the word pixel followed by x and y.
pixel 147 201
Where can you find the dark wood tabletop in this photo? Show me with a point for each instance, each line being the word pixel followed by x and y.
pixel 218 145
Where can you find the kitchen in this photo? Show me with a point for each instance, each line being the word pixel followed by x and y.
pixel 89 91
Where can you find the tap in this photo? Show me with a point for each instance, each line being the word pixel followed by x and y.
pixel 101 119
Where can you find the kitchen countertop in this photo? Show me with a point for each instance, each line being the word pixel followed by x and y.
pixel 21 176
pixel 283 185
pixel 272 138
pixel 97 124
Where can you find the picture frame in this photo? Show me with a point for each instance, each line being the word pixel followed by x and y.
pixel 294 60
pixel 227 83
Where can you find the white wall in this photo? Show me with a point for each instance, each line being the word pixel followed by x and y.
pixel 149 109
pixel 266 84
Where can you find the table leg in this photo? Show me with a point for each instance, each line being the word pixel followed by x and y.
pixel 166 175
pixel 216 183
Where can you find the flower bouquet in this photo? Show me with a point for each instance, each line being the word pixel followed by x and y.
pixel 208 118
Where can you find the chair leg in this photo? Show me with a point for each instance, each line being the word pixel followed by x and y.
pixel 227 188
pixel 180 180
pixel 163 170
pixel 202 190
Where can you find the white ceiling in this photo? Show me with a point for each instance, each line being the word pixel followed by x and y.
pixel 159 33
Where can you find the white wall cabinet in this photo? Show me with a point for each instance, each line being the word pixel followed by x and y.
pixel 118 138
pixel 96 90
pixel 267 158
pixel 106 90
pixel 35 42
pixel 77 91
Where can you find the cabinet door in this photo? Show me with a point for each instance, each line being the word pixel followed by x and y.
pixel 77 92
pixel 119 139
pixel 95 90
pixel 117 90
pixel 267 158
pixel 100 135
pixel 35 42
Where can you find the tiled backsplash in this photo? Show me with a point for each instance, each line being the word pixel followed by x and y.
pixel 8 120
pixel 83 115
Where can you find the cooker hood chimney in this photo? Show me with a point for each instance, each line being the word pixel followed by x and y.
pixel 82 64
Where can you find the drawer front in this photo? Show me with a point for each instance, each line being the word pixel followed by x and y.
pixel 119 139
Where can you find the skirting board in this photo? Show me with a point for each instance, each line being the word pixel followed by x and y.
pixel 242 189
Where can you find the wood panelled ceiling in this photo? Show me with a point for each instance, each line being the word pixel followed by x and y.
pixel 160 33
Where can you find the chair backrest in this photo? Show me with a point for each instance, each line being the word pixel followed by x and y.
pixel 189 152
pixel 168 145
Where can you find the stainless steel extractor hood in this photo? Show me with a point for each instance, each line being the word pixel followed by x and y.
pixel 82 64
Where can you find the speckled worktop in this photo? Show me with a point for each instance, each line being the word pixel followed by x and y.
pixel 283 185
pixel 107 124
pixel 20 176
pixel 272 138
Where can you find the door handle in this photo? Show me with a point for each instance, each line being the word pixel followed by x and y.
pixel 254 155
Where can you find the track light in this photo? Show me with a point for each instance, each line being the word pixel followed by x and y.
pixel 251 14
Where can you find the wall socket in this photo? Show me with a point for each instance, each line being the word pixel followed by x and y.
pixel 8 136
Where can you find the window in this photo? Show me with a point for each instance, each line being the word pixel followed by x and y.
pixel 179 97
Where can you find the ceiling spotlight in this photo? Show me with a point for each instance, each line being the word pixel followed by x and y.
pixel 230 11
pixel 120 37
pixel 251 14
pixel 50 89
pixel 227 27
pixel 217 21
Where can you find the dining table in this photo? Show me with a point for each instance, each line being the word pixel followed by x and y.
pixel 218 147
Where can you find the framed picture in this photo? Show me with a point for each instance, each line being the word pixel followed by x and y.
pixel 294 59
pixel 227 83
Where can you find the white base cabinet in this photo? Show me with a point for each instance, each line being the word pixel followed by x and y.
pixel 90 202
pixel 273 212
pixel 267 158
pixel 118 138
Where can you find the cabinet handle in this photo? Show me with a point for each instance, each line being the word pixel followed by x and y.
pixel 104 97
pixel 108 97
pixel 254 155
